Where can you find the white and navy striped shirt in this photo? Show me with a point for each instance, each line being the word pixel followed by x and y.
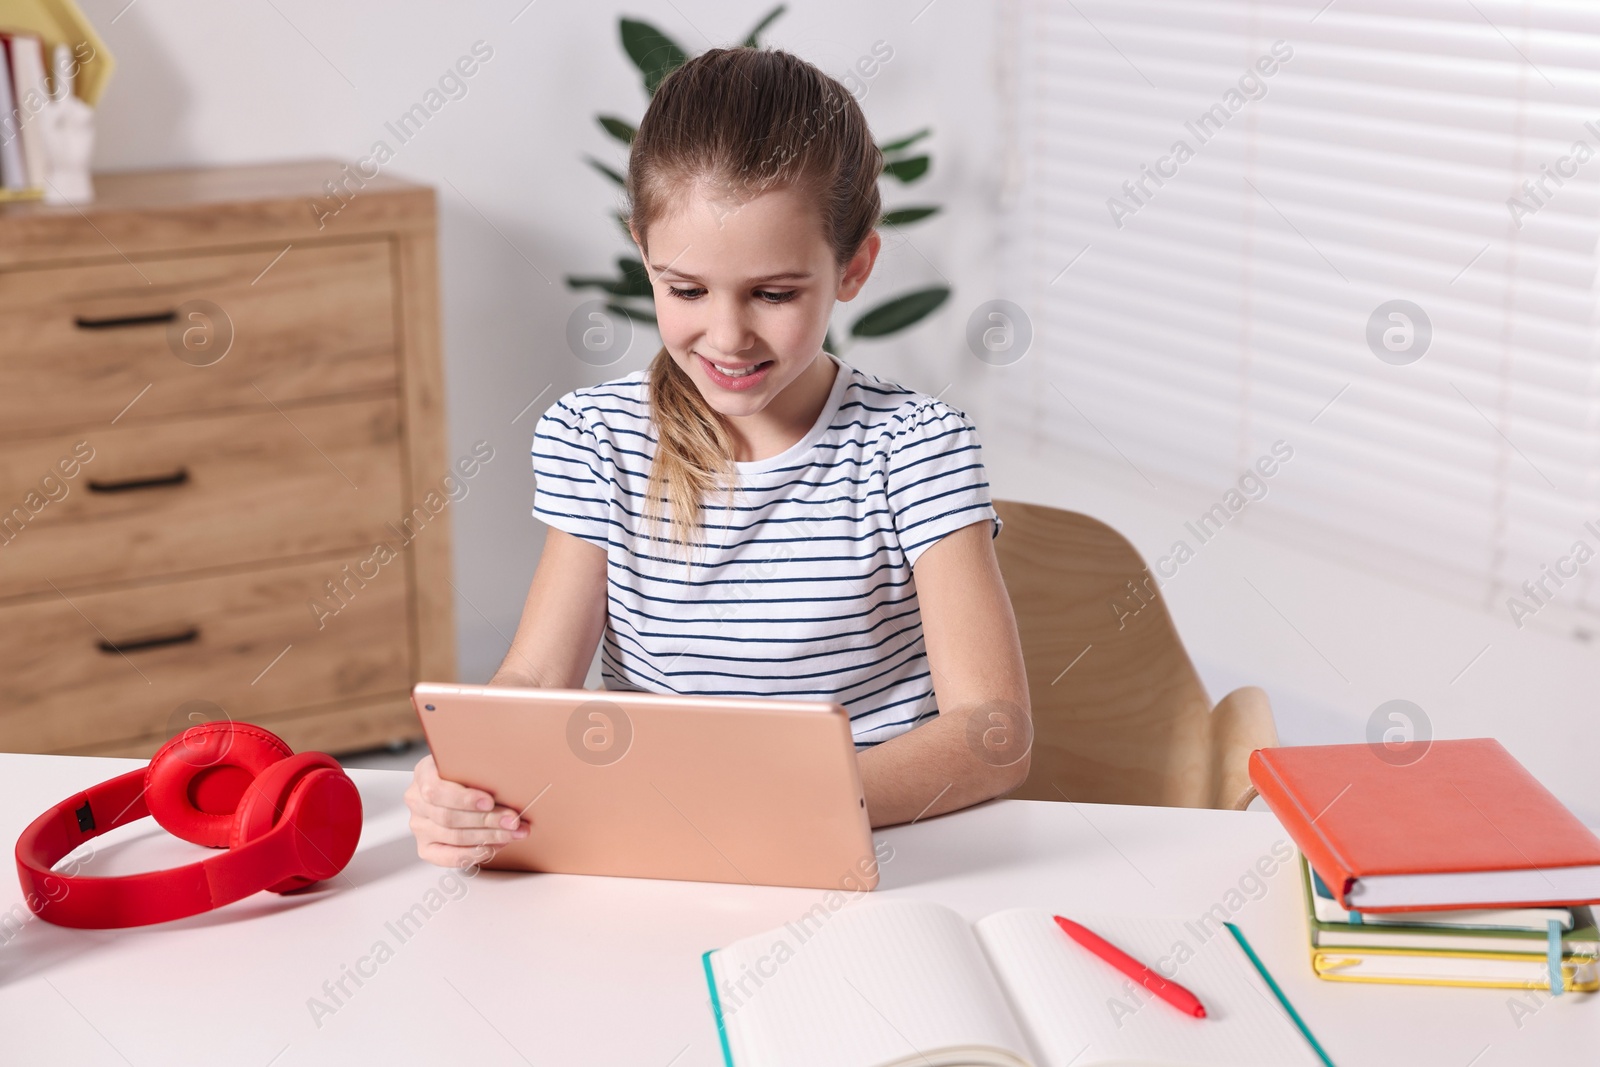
pixel 803 589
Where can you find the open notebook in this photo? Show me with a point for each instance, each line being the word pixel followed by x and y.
pixel 904 982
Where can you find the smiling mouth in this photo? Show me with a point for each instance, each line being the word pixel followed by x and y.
pixel 737 370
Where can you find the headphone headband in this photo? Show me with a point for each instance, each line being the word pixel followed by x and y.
pixel 296 823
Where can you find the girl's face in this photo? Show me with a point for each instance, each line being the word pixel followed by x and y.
pixel 747 285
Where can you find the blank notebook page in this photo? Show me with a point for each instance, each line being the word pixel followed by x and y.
pixel 877 982
pixel 1067 998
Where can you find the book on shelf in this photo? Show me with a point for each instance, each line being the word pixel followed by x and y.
pixel 13 171
pixel 30 93
pixel 905 983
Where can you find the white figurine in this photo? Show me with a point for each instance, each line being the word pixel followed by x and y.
pixel 67 128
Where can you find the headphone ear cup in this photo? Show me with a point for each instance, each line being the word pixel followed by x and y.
pixel 194 783
pixel 312 791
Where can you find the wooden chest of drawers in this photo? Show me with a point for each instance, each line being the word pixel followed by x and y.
pixel 222 461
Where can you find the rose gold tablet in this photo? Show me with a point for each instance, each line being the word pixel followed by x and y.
pixel 645 785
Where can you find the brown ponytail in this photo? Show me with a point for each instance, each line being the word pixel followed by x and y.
pixel 738 122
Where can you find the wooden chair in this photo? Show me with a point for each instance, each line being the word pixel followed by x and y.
pixel 1119 714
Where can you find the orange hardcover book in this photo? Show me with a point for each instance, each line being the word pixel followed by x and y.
pixel 1460 825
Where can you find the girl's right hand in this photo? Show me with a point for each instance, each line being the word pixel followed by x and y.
pixel 457 826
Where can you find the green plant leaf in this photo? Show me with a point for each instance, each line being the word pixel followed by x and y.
pixel 907 170
pixel 907 215
pixel 617 128
pixel 903 143
pixel 642 314
pixel 754 40
pixel 607 171
pixel 899 313
pixel 635 282
pixel 653 52
pixel 610 285
pixel 827 342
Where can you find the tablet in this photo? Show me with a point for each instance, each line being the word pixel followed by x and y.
pixel 649 785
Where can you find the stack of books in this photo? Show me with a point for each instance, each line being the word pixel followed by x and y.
pixel 24 94
pixel 1453 868
pixel 1506 948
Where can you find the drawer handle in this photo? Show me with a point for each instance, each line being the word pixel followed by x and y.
pixel 177 477
pixel 183 637
pixel 155 318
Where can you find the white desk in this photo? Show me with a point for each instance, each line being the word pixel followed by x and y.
pixel 564 970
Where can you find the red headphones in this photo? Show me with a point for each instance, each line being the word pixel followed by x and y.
pixel 288 821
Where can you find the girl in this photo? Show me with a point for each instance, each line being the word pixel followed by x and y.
pixel 851 556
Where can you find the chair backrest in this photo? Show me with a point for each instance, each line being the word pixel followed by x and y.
pixel 1120 716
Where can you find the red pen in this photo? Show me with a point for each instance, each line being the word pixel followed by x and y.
pixel 1171 992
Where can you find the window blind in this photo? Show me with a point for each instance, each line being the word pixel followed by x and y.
pixel 1221 203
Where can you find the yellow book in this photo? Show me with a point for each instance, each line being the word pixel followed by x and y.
pixel 1480 970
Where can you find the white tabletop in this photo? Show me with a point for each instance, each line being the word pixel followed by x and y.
pixel 511 968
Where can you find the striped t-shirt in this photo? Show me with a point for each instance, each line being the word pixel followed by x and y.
pixel 803 589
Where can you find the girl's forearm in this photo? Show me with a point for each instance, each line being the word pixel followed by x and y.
pixel 931 770
pixel 515 673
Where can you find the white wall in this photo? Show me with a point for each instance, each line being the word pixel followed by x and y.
pixel 208 83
